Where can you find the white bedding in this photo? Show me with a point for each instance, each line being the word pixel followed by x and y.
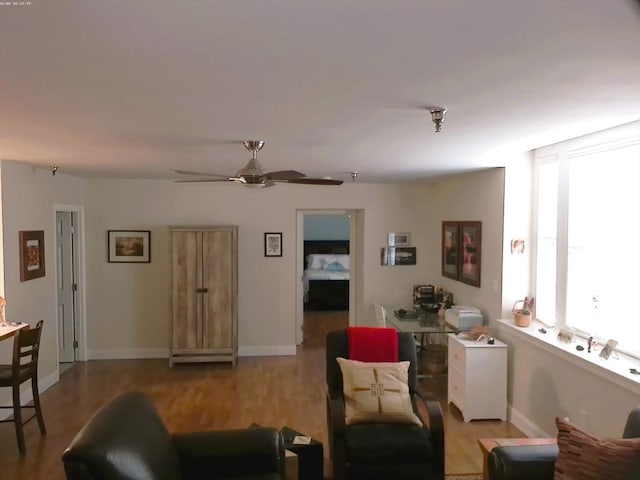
pixel 313 274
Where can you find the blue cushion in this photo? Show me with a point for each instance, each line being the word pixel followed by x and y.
pixel 335 267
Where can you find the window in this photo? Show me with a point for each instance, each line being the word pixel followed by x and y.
pixel 588 236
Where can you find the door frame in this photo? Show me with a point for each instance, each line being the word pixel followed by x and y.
pixel 79 254
pixel 355 260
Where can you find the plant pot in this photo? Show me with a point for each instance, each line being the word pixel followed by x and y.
pixel 522 319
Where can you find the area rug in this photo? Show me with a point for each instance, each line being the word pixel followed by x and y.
pixel 464 476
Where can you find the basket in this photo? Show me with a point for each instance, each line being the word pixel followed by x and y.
pixel 522 319
pixel 436 358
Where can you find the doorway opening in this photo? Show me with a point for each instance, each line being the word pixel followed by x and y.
pixel 328 271
pixel 68 286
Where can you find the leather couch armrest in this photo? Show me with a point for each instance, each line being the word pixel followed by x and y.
pixel 335 412
pixel 522 462
pixel 247 451
pixel 435 425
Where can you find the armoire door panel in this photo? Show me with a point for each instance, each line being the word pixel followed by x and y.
pixel 218 305
pixel 186 302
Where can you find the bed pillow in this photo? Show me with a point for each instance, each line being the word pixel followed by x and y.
pixel 582 456
pixel 335 267
pixel 376 392
pixel 315 261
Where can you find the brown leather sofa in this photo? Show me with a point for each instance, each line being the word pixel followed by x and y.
pixel 126 439
pixel 537 462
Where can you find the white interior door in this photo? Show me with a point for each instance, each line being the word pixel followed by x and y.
pixel 67 286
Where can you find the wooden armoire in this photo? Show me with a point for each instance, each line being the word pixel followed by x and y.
pixel 204 294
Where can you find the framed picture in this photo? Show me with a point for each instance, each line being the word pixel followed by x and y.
pixel 470 252
pixel 392 256
pixel 398 239
pixel 129 246
pixel 272 244
pixel 450 250
pixel 608 349
pixel 31 254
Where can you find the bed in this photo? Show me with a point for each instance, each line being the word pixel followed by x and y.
pixel 326 275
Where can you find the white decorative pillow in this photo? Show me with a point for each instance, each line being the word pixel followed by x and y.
pixel 376 392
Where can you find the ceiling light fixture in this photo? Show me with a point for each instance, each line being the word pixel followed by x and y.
pixel 437 115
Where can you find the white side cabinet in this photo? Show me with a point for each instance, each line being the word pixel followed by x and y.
pixel 478 378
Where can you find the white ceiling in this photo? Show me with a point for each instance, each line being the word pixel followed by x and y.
pixel 133 88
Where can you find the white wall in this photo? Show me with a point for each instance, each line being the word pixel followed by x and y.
pixel 128 309
pixel 475 197
pixel 28 199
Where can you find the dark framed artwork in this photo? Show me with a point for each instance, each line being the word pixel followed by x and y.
pixel 450 250
pixel 129 246
pixel 31 254
pixel 273 244
pixel 470 252
pixel 392 256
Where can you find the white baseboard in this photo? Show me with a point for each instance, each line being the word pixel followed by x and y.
pixel 525 425
pixel 269 351
pixel 128 354
pixel 254 351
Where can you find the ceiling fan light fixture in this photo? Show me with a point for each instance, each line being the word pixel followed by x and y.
pixel 437 115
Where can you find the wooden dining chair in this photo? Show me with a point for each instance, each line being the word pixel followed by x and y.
pixel 24 366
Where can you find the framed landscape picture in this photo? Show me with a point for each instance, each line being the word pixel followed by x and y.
pixel 31 254
pixel 129 246
pixel 450 250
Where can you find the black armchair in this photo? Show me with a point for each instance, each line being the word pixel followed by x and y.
pixel 382 450
pixel 126 439
pixel 537 462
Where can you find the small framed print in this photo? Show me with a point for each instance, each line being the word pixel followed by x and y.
pixel 398 239
pixel 565 335
pixel 608 349
pixel 31 254
pixel 273 244
pixel 129 246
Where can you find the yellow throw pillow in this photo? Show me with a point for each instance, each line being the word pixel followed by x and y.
pixel 583 456
pixel 376 392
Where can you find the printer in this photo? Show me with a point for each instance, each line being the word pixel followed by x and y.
pixel 463 318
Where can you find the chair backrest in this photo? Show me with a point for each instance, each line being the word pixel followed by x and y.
pixel 26 347
pixel 381 315
pixel 125 439
pixel 337 345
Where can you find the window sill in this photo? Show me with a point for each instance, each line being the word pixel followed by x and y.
pixel 615 370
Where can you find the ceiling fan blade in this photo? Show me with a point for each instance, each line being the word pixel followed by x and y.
pixel 189 172
pixel 284 175
pixel 203 180
pixel 315 181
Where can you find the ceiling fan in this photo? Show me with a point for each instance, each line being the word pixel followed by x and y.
pixel 253 173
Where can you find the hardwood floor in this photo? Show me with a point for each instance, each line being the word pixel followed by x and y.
pixel 273 391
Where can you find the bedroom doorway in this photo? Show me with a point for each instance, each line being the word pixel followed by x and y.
pixel 328 270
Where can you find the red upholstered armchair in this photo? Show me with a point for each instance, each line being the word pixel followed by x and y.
pixel 382 450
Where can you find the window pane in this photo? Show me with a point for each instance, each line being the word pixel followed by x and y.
pixel 546 243
pixel 604 243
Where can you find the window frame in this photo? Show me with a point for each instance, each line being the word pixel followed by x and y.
pixel 562 154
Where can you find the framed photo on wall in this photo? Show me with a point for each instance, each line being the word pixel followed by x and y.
pixel 31 254
pixel 400 239
pixel 273 244
pixel 470 252
pixel 129 246
pixel 450 250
